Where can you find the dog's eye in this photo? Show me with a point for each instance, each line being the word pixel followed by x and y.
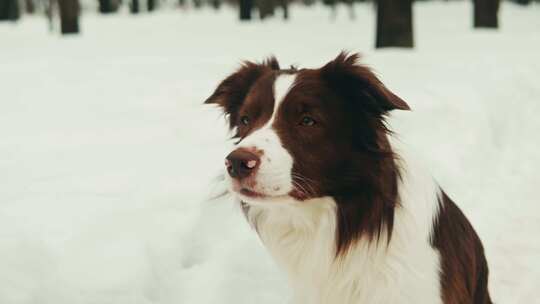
pixel 244 120
pixel 307 121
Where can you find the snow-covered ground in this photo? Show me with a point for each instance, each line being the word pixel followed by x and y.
pixel 107 155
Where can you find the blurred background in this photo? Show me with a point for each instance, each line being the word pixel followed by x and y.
pixel 108 157
pixel 394 18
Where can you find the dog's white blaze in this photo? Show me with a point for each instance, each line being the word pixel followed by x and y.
pixel 282 86
pixel 274 174
pixel 301 237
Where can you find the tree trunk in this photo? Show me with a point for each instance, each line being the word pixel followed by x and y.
pixel 108 6
pixel 151 5
pixel 9 10
pixel 394 23
pixel 266 8
pixel 69 16
pixel 216 4
pixel 30 6
pixel 134 6
pixel 485 13
pixel 285 6
pixel 198 4
pixel 245 9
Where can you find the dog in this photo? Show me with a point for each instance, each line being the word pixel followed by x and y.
pixel 343 208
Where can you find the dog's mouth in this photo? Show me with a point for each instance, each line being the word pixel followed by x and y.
pixel 249 194
pixel 252 194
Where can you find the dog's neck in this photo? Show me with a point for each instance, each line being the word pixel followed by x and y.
pixel 302 239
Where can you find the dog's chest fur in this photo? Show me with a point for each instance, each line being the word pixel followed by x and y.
pixel 301 237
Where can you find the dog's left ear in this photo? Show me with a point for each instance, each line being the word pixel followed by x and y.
pixel 232 91
pixel 358 83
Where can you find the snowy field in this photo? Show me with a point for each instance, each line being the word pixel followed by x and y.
pixel 107 156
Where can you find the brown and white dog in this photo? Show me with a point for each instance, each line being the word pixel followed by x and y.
pixel 335 198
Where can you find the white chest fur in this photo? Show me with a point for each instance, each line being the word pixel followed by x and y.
pixel 301 238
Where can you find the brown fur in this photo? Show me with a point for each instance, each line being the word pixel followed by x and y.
pixel 464 273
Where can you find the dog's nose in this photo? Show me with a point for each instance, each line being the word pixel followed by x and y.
pixel 241 163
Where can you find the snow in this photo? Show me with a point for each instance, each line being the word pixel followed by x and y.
pixel 108 158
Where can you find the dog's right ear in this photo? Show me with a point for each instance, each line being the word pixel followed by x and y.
pixel 356 82
pixel 232 91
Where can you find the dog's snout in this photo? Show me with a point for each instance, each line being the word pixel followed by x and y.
pixel 241 163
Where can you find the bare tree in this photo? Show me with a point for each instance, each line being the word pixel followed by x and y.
pixel 266 8
pixel 485 13
pixel 151 5
pixel 108 6
pixel 394 23
pixel 30 6
pixel 333 10
pixel 9 10
pixel 333 4
pixel 216 4
pixel 197 4
pixel 245 9
pixel 69 16
pixel 134 6
pixel 284 4
pixel 523 2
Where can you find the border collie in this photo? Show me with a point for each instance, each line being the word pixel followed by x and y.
pixel 343 209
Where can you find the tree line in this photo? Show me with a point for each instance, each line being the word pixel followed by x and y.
pixel 394 17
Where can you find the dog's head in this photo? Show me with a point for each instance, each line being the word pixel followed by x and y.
pixel 306 133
